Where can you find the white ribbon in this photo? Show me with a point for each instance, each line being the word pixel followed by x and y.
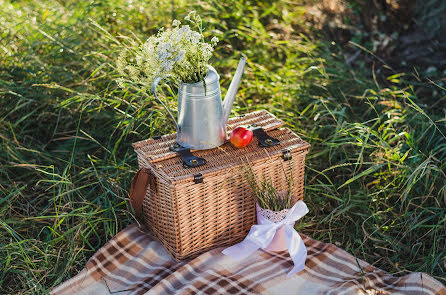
pixel 261 235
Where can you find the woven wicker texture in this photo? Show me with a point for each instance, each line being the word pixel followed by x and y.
pixel 189 218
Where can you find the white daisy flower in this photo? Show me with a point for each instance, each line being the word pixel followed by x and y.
pixel 214 41
pixel 179 51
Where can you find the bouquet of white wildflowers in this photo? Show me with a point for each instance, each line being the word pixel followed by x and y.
pixel 178 52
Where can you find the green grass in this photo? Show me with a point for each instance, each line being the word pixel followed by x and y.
pixel 375 181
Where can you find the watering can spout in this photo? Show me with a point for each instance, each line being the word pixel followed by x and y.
pixel 232 91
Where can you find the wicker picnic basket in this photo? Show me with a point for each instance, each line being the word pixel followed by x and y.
pixel 192 210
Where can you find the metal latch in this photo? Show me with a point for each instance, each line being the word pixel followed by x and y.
pixel 198 178
pixel 264 139
pixel 189 160
pixel 286 155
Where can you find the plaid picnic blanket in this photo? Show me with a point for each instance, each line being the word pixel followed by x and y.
pixel 133 262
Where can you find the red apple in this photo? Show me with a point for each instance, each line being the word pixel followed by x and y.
pixel 241 137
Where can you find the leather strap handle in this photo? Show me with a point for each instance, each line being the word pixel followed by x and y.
pixel 142 181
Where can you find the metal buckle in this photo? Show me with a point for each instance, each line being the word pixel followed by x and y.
pixel 189 160
pixel 264 139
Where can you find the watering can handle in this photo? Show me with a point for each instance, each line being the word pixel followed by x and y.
pixel 154 84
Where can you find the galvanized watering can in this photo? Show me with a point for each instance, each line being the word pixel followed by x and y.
pixel 202 116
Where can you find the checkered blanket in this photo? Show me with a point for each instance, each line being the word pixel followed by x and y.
pixel 135 263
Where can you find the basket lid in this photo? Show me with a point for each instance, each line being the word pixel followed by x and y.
pixel 156 150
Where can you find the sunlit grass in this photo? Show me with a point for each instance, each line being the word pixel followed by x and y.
pixel 375 181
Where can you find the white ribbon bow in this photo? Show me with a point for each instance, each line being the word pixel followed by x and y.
pixel 261 235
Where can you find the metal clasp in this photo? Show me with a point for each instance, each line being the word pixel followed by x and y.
pixel 286 155
pixel 198 178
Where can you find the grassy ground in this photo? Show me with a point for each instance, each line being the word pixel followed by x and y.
pixel 375 182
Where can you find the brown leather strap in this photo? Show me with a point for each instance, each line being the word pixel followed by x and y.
pixel 142 181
